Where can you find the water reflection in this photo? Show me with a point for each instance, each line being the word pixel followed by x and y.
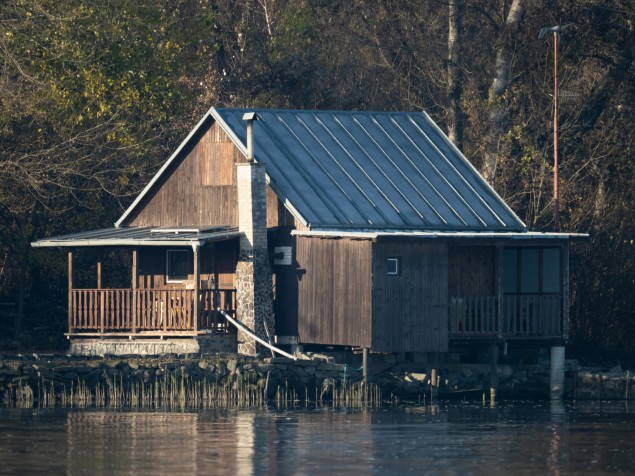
pixel 512 438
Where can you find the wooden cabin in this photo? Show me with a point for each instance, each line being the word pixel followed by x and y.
pixel 379 234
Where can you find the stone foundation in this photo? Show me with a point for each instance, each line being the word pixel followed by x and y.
pixel 201 345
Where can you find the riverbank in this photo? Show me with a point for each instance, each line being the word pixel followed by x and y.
pixel 60 379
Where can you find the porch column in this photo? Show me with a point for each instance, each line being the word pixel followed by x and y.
pixel 99 272
pixel 556 376
pixel 133 313
pixel 565 291
pixel 500 256
pixel 253 272
pixel 70 291
pixel 197 284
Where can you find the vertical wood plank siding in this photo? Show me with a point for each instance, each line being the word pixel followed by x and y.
pixel 285 279
pixel 472 270
pixel 410 310
pixel 334 287
pixel 200 188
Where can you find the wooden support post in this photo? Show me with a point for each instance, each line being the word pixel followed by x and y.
pixel 493 385
pixel 99 273
pixel 500 256
pixel 70 291
pixel 197 284
pixel 565 291
pixel 102 310
pixel 434 390
pixel 365 365
pixel 134 314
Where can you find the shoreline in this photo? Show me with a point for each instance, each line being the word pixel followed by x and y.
pixel 54 379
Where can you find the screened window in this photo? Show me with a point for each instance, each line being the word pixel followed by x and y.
pixel 179 266
pixel 531 270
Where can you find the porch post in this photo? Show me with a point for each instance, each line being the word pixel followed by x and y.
pixel 197 283
pixel 134 291
pixel 500 256
pixel 565 291
pixel 99 273
pixel 70 291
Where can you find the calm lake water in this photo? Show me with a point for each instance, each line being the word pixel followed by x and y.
pixel 457 438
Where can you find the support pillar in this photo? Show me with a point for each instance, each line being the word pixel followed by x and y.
pixel 197 284
pixel 134 281
pixel 493 385
pixel 70 291
pixel 365 365
pixel 557 372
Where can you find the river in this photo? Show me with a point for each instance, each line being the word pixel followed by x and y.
pixel 516 438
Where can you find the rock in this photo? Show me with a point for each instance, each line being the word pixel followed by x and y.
pixel 232 364
pixel 467 373
pixel 419 377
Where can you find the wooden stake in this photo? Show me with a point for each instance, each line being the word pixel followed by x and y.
pixel 70 291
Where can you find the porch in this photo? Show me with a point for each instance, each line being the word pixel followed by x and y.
pixel 510 317
pixel 149 312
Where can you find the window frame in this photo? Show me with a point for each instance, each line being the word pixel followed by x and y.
pixel 397 261
pixel 178 279
pixel 518 278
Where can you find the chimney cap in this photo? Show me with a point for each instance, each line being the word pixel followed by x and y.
pixel 249 116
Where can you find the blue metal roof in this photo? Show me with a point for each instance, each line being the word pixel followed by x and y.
pixel 141 236
pixel 370 170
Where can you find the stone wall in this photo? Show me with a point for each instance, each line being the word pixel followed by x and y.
pixel 22 376
pixel 201 345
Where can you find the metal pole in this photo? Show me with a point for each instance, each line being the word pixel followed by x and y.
pixel 556 195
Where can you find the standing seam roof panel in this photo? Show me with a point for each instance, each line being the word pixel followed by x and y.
pixel 378 170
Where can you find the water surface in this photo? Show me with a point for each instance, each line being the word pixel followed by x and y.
pixel 454 439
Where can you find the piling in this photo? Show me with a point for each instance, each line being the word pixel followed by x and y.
pixel 365 365
pixel 557 372
pixel 493 384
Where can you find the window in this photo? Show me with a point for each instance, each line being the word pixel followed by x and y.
pixel 531 270
pixel 179 265
pixel 393 266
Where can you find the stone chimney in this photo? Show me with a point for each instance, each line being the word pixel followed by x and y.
pixel 254 306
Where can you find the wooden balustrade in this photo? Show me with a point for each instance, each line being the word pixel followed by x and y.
pixel 519 316
pixel 147 310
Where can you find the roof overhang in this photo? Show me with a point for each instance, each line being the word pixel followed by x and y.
pixel 379 234
pixel 142 236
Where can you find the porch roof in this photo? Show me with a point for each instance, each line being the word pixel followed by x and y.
pixel 181 236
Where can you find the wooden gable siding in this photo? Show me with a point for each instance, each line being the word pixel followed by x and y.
pixel 410 309
pixel 472 271
pixel 334 291
pixel 200 188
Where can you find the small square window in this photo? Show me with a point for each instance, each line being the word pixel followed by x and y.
pixel 393 266
pixel 179 266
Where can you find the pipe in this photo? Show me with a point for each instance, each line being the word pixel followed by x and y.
pixel 249 117
pixel 241 327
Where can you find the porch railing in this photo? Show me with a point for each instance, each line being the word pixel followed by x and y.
pixel 147 310
pixel 519 316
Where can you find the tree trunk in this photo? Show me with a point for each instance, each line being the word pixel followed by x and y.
pixel 456 8
pixel 500 83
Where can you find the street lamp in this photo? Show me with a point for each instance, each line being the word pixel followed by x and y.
pixel 556 197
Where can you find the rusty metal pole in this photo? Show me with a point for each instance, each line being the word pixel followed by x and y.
pixel 556 194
